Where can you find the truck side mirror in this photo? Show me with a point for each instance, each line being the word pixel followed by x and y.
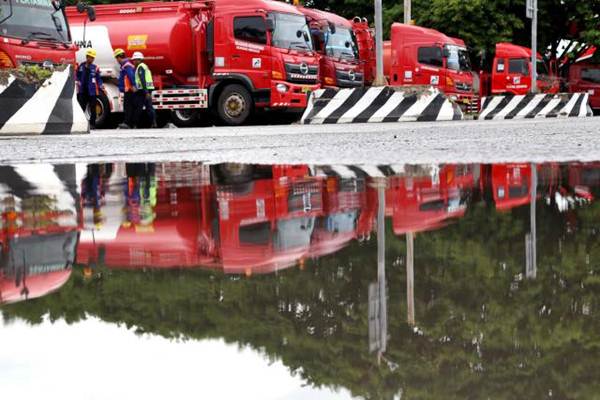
pixel 270 25
pixel 91 12
pixel 332 28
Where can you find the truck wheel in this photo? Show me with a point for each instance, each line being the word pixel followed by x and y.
pixel 235 105
pixel 103 115
pixel 184 118
pixel 234 173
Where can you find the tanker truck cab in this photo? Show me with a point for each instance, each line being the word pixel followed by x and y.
pixel 511 72
pixel 422 56
pixel 262 56
pixel 34 32
pixel 335 42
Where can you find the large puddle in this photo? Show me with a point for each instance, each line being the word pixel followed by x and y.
pixel 185 280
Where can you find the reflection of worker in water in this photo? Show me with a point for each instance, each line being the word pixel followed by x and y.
pixel 94 189
pixel 141 199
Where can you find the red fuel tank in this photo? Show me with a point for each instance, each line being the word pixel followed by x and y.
pixel 163 32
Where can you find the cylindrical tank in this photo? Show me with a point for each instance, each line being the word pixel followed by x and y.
pixel 387 58
pixel 161 31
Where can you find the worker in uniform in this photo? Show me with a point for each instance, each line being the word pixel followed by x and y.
pixel 145 86
pixel 89 85
pixel 127 87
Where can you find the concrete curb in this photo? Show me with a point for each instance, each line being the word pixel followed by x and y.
pixel 561 105
pixel 50 109
pixel 379 104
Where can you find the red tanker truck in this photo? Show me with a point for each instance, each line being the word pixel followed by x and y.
pixel 422 56
pixel 34 32
pixel 228 56
pixel 335 41
pixel 511 73
pixel 585 77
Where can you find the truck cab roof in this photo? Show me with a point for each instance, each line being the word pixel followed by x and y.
pixel 325 16
pixel 509 50
pixel 418 34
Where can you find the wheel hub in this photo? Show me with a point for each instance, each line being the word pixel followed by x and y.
pixel 235 105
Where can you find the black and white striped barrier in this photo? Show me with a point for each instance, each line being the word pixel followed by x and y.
pixel 379 104
pixel 50 109
pixel 355 171
pixel 562 105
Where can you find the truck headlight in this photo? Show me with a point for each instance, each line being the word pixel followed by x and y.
pixel 282 88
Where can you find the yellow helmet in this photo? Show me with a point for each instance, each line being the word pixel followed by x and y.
pixel 91 53
pixel 119 52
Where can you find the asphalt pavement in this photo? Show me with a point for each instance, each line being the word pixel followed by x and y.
pixel 394 143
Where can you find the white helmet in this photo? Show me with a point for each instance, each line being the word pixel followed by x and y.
pixel 137 56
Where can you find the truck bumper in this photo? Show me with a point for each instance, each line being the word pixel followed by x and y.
pixel 468 102
pixel 294 95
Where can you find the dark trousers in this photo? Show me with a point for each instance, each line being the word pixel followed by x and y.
pixel 144 107
pixel 88 102
pixel 129 106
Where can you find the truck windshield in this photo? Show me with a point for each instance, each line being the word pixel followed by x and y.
pixel 32 20
pixel 541 68
pixel 458 58
pixel 285 35
pixel 341 44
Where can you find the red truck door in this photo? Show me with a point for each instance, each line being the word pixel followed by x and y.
pixel 518 77
pixel 511 75
pixel 430 69
pixel 249 50
pixel 586 78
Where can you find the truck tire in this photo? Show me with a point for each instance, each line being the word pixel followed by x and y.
pixel 103 114
pixel 235 105
pixel 184 118
pixel 235 173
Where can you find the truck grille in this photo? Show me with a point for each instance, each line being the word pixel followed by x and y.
pixel 346 80
pixel 302 73
pixel 465 87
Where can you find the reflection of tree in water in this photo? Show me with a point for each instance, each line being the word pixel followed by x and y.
pixel 482 330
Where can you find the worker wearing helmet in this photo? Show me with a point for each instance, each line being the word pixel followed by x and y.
pixel 89 85
pixel 145 85
pixel 127 87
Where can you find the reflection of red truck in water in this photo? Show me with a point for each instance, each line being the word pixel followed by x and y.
pixel 266 224
pixel 421 56
pixel 426 200
pixel 243 220
pixel 230 56
pixel 584 181
pixel 39 228
pixel 345 215
pixel 335 41
pixel 145 218
pixel 510 185
pixel 34 33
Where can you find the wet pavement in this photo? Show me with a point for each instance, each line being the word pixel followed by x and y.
pixel 189 280
pixel 537 140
